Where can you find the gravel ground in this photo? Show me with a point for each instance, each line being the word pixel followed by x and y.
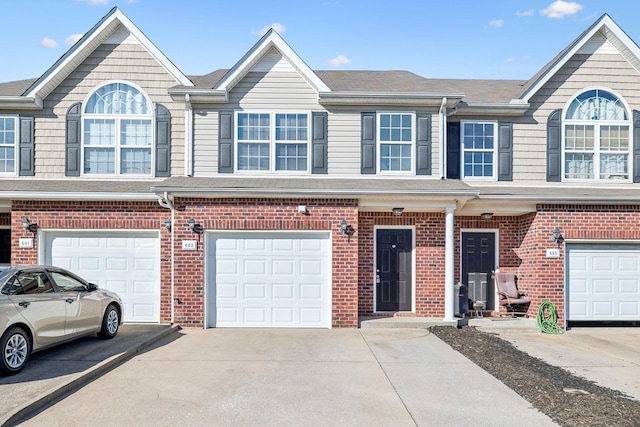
pixel 566 398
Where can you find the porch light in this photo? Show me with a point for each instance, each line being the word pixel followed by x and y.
pixel 556 237
pixel 29 226
pixel 397 211
pixel 346 229
pixel 486 216
pixel 195 228
pixel 167 224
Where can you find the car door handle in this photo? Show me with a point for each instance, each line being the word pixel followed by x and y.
pixel 24 304
pixel 70 300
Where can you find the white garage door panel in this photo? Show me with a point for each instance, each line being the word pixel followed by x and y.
pixel 603 283
pixel 126 263
pixel 269 280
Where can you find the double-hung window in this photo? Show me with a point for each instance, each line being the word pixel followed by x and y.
pixel 596 137
pixel 8 139
pixel 272 141
pixel 396 138
pixel 118 131
pixel 478 149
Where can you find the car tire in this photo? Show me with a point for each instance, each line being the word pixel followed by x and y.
pixel 16 349
pixel 110 323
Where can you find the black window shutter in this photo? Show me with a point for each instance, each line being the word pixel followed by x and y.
pixel 72 140
pixel 163 141
pixel 636 146
pixel 554 146
pixel 505 152
pixel 423 144
pixel 453 150
pixel 225 142
pixel 319 143
pixel 26 147
pixel 368 146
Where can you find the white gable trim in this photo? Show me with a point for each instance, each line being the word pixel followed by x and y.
pixel 253 56
pixel 604 22
pixel 89 42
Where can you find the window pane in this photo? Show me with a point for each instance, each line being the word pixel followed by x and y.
pixel 253 127
pixel 596 104
pixel 253 156
pixel 578 166
pixel 7 144
pixel 291 157
pixel 395 157
pixel 100 132
pixel 117 98
pixel 395 127
pixel 614 166
pixel 99 160
pixel 614 138
pixel 135 161
pixel 135 132
pixel 291 127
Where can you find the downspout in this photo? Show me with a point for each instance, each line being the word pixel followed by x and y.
pixel 166 201
pixel 443 138
pixel 188 136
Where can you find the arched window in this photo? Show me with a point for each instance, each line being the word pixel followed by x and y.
pixel 118 131
pixel 596 137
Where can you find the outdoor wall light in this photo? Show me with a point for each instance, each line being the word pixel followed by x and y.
pixel 167 224
pixel 397 211
pixel 486 216
pixel 195 228
pixel 346 229
pixel 556 237
pixel 29 226
pixel 303 210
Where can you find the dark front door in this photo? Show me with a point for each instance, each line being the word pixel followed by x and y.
pixel 478 261
pixel 393 269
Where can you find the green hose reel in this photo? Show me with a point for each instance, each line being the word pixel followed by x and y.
pixel 548 318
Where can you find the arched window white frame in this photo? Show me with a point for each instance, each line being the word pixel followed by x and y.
pixel 597 137
pixel 117 123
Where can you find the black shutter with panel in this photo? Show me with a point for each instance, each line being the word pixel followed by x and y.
pixel 26 147
pixel 225 142
pixel 72 140
pixel 554 146
pixel 505 152
pixel 368 146
pixel 453 150
pixel 319 143
pixel 163 141
pixel 423 144
pixel 636 146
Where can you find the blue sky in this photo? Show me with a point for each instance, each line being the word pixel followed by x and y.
pixel 501 39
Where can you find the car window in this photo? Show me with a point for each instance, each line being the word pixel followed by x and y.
pixel 67 283
pixel 28 283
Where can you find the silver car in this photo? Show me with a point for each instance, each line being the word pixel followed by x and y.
pixel 42 306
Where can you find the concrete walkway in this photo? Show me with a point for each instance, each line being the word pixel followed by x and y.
pixel 365 377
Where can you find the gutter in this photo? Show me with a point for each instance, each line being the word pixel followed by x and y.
pixel 21 102
pixel 443 137
pixel 188 136
pixel 166 201
pixel 48 195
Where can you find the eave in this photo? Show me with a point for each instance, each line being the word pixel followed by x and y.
pixel 29 103
pixel 501 109
pixel 200 96
pixel 389 98
pixel 77 196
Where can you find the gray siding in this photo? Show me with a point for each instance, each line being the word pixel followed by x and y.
pixel 128 62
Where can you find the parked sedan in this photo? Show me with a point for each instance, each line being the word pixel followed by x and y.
pixel 42 306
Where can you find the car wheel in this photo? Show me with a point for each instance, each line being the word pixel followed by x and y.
pixel 110 322
pixel 16 348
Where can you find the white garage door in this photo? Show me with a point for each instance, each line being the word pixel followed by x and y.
pixel 269 280
pixel 126 263
pixel 603 282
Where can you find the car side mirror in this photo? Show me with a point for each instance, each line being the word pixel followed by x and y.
pixel 93 287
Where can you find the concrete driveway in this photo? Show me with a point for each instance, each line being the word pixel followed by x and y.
pixel 399 377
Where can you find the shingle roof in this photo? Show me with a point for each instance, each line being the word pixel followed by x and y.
pixel 15 88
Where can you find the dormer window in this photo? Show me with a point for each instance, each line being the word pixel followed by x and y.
pixel 117 131
pixel 596 137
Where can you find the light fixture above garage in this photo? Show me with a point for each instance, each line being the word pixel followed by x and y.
pixel 167 224
pixel 556 237
pixel 486 216
pixel 195 228
pixel 29 226
pixel 397 211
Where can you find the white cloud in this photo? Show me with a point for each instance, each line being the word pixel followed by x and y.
pixel 276 26
pixel 338 61
pixel 94 2
pixel 49 43
pixel 72 39
pixel 497 23
pixel 559 9
pixel 525 13
pixel 512 59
